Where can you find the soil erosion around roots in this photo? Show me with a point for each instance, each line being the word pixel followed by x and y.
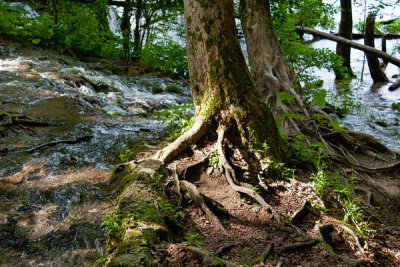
pixel 202 216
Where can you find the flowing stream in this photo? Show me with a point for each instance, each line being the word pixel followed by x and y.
pixel 371 110
pixel 53 199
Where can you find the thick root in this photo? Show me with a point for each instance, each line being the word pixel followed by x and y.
pixel 199 128
pixel 199 200
pixel 231 176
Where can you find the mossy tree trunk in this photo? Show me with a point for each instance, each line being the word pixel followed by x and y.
pixel 377 74
pixel 224 95
pixel 345 31
pixel 269 67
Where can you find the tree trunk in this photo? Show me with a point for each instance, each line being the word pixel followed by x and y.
pixel 377 75
pixel 269 68
pixel 126 28
pixel 136 32
pixel 345 31
pixel 224 96
pixel 55 12
pixel 365 48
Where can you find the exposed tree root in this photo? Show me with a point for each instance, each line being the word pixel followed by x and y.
pixel 222 250
pixel 198 129
pixel 354 235
pixel 299 215
pixel 199 200
pixel 178 186
pixel 350 261
pixel 298 246
pixel 230 176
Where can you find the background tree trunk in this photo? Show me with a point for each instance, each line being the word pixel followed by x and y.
pixel 55 12
pixel 345 31
pixel 136 32
pixel 377 75
pixel 126 27
pixel 269 68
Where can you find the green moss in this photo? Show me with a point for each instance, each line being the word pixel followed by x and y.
pixel 396 106
pixel 157 89
pixel 173 88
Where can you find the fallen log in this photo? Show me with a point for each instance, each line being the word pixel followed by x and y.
pixel 80 139
pixel 367 49
pixel 394 85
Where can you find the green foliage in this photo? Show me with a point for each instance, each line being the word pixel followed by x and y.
pixel 177 119
pixel 213 158
pixel 264 150
pixel 113 224
pixel 319 98
pixel 285 96
pixel 157 89
pixel 166 56
pixel 335 125
pixel 396 106
pixel 126 155
pixel 79 28
pixel 193 239
pixel 325 183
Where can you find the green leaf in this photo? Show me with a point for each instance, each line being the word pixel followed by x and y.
pixel 336 126
pixel 285 96
pixel 319 98
pixel 35 41
pixel 294 116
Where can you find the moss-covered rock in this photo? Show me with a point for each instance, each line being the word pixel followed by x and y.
pixel 146 214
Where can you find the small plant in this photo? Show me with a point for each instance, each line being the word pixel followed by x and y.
pixel 193 239
pixel 157 89
pixel 263 151
pixel 396 106
pixel 213 158
pixel 173 88
pixel 125 156
pixel 113 224
pixel 177 119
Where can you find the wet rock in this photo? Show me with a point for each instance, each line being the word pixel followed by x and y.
pixel 382 123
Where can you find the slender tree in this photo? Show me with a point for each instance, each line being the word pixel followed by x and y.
pixel 377 74
pixel 126 27
pixel 345 31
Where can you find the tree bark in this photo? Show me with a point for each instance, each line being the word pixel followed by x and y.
pixel 224 96
pixel 371 50
pixel 55 12
pixel 126 27
pixel 377 75
pixel 136 32
pixel 345 31
pixel 269 67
